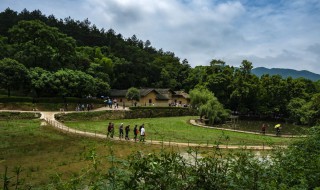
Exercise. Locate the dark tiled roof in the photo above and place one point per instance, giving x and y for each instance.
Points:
(145, 91)
(181, 93)
(162, 97)
(117, 93)
(162, 93)
(164, 90)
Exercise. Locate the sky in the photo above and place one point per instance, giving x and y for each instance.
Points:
(269, 33)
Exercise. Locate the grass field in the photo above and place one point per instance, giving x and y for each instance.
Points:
(177, 129)
(46, 155)
(43, 153)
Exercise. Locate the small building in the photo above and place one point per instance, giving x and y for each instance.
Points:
(152, 97)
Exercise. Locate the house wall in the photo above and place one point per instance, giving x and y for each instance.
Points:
(144, 101)
(180, 100)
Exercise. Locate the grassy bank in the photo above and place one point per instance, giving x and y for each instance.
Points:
(178, 129)
(46, 155)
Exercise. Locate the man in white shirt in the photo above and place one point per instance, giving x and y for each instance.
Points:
(142, 133)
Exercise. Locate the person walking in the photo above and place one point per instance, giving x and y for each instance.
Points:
(142, 134)
(127, 129)
(135, 132)
(109, 129)
(121, 131)
(112, 130)
(278, 129)
(263, 129)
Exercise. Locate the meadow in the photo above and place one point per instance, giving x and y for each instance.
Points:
(46, 156)
(177, 129)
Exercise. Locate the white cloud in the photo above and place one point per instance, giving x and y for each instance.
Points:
(281, 34)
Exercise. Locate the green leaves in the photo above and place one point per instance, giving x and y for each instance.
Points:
(37, 44)
(133, 94)
(208, 105)
(12, 74)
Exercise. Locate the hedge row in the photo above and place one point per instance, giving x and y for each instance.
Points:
(88, 115)
(18, 115)
(50, 100)
(140, 112)
(157, 108)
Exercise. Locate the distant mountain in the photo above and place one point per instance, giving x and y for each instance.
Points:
(285, 73)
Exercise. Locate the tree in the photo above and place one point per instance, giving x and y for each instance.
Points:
(246, 67)
(4, 47)
(133, 94)
(68, 82)
(37, 44)
(208, 105)
(40, 81)
(12, 74)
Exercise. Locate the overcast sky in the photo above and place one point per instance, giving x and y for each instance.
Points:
(269, 33)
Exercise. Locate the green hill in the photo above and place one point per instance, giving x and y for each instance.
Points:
(259, 71)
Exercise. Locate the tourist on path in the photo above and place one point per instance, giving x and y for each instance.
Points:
(112, 130)
(263, 129)
(109, 129)
(142, 134)
(278, 129)
(135, 132)
(127, 129)
(121, 131)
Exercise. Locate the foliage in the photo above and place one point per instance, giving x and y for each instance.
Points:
(208, 105)
(304, 112)
(297, 167)
(18, 115)
(12, 74)
(39, 45)
(133, 94)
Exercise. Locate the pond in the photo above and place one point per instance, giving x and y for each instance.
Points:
(255, 126)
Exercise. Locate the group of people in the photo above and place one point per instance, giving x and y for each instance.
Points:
(84, 107)
(141, 131)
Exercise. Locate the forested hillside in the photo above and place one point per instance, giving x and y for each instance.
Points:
(43, 56)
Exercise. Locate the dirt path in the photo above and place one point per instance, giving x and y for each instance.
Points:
(50, 119)
(193, 122)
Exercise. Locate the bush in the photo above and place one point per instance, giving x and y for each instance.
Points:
(297, 167)
(132, 114)
(50, 100)
(18, 115)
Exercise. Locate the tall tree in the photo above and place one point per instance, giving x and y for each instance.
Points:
(37, 44)
(208, 105)
(12, 74)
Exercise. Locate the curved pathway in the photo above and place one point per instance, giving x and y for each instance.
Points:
(50, 119)
(195, 123)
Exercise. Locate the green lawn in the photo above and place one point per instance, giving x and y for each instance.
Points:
(43, 153)
(177, 129)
